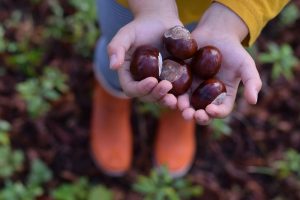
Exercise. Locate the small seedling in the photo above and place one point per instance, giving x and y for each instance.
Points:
(11, 160)
(161, 186)
(2, 39)
(72, 28)
(32, 188)
(290, 164)
(287, 166)
(283, 59)
(220, 127)
(150, 108)
(81, 190)
(289, 15)
(38, 93)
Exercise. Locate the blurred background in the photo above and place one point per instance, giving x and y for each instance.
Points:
(46, 79)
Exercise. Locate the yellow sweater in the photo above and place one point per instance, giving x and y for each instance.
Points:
(255, 13)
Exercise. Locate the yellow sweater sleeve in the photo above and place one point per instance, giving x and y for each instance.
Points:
(255, 13)
(189, 10)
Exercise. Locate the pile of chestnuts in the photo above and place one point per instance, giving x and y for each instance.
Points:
(185, 62)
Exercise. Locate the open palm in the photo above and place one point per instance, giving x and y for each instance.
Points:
(237, 65)
(139, 32)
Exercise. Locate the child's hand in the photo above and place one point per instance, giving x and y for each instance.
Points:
(142, 30)
(220, 27)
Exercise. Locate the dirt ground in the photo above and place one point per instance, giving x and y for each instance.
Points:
(225, 167)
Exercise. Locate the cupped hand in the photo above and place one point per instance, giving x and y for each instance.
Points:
(142, 30)
(237, 65)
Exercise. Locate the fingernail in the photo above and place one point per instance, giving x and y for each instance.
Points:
(256, 96)
(113, 61)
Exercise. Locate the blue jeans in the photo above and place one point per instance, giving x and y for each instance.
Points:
(112, 16)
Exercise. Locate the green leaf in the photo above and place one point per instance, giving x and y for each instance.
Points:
(4, 126)
(39, 173)
(150, 108)
(283, 59)
(160, 185)
(38, 93)
(11, 161)
(78, 190)
(100, 191)
(289, 15)
(144, 185)
(171, 194)
(266, 58)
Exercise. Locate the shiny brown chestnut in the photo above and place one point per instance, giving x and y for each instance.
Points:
(206, 62)
(210, 91)
(178, 73)
(146, 62)
(179, 43)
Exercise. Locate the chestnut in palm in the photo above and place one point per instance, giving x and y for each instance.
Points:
(210, 91)
(179, 43)
(178, 73)
(146, 62)
(206, 62)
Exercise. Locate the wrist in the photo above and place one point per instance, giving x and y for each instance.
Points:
(168, 20)
(221, 22)
(153, 8)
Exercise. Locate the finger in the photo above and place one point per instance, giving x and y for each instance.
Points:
(119, 45)
(162, 88)
(251, 80)
(222, 110)
(188, 113)
(135, 88)
(169, 100)
(183, 102)
(202, 117)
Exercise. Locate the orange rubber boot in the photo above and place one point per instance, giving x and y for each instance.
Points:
(175, 143)
(111, 138)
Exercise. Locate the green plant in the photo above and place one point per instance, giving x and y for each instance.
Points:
(161, 186)
(2, 39)
(55, 23)
(20, 54)
(289, 15)
(84, 24)
(220, 127)
(81, 190)
(24, 60)
(39, 174)
(285, 167)
(80, 28)
(11, 160)
(290, 164)
(38, 93)
(283, 59)
(150, 108)
(4, 129)
(6, 45)
(14, 20)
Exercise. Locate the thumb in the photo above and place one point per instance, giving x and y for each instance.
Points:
(251, 80)
(119, 45)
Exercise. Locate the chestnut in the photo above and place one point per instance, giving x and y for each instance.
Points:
(209, 91)
(206, 62)
(178, 73)
(145, 62)
(179, 43)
